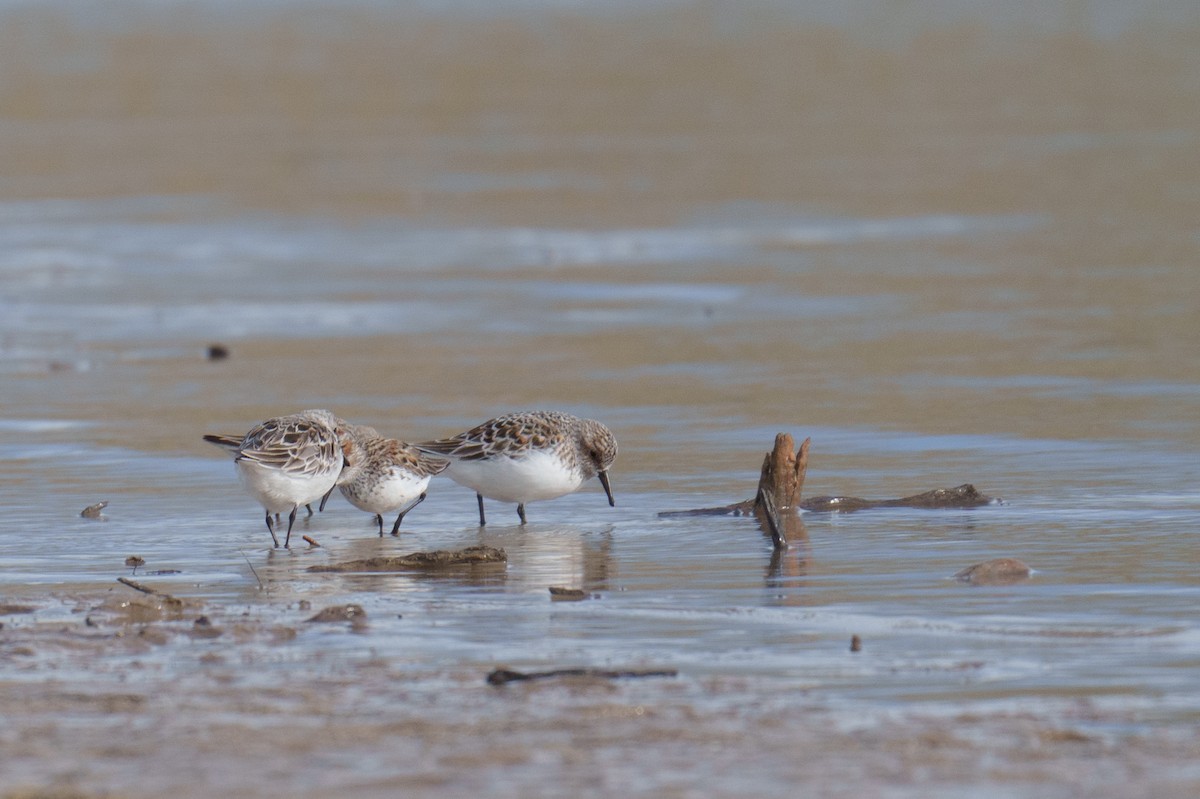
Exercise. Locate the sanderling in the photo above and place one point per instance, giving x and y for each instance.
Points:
(289, 461)
(387, 475)
(523, 457)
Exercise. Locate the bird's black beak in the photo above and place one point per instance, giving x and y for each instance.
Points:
(607, 490)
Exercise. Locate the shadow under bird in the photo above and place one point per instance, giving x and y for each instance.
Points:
(528, 456)
(289, 461)
(387, 475)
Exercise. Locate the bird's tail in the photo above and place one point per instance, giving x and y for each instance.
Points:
(230, 443)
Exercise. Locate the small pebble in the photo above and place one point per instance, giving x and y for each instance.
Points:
(351, 613)
(855, 643)
(998, 571)
(94, 511)
(217, 352)
(561, 594)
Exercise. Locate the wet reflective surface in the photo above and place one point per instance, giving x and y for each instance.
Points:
(950, 247)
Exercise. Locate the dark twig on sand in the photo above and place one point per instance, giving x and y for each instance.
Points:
(145, 589)
(505, 676)
(136, 586)
(253, 570)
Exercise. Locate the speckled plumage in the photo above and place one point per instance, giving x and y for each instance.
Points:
(528, 456)
(389, 475)
(288, 461)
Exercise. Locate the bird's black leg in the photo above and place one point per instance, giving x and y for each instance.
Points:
(291, 520)
(379, 520)
(271, 530)
(324, 499)
(310, 511)
(482, 520)
(400, 518)
(521, 511)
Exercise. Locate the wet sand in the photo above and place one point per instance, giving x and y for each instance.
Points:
(373, 727)
(950, 245)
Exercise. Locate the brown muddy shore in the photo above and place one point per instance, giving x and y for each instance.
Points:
(952, 241)
(98, 687)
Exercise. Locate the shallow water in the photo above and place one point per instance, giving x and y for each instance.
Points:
(949, 248)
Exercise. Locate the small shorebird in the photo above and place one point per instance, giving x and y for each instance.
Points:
(389, 475)
(524, 457)
(289, 461)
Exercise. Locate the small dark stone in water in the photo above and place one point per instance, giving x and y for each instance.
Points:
(855, 643)
(351, 613)
(216, 352)
(560, 594)
(203, 628)
(998, 571)
(305, 605)
(94, 511)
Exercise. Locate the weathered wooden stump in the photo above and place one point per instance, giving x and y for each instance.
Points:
(777, 500)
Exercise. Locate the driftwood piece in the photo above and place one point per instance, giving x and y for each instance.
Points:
(168, 600)
(419, 561)
(780, 483)
(560, 593)
(963, 496)
(505, 676)
(782, 480)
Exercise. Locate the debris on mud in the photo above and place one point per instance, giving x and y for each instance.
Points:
(781, 482)
(559, 593)
(94, 511)
(419, 561)
(171, 603)
(963, 496)
(351, 613)
(998, 571)
(505, 676)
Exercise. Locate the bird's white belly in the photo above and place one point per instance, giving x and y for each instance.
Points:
(278, 491)
(535, 476)
(398, 490)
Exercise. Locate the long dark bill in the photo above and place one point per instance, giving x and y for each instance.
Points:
(607, 490)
